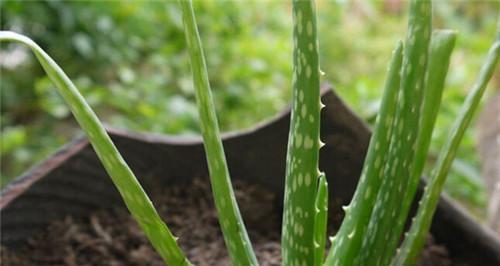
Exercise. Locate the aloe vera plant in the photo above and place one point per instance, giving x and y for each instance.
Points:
(375, 217)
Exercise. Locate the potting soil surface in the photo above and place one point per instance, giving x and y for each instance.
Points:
(112, 237)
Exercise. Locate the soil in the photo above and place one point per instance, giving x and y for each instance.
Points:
(112, 237)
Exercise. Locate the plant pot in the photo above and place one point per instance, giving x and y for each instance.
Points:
(73, 181)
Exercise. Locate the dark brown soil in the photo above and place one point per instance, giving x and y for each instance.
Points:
(112, 237)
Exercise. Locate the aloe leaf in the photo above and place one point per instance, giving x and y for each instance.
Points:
(413, 243)
(441, 47)
(233, 228)
(303, 142)
(347, 242)
(403, 139)
(127, 184)
(320, 220)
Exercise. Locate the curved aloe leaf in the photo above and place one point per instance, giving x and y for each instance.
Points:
(415, 240)
(233, 229)
(127, 184)
(347, 242)
(297, 240)
(441, 47)
(403, 140)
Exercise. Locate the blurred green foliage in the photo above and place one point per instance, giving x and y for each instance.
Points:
(128, 58)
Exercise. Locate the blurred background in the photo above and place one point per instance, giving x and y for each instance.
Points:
(128, 59)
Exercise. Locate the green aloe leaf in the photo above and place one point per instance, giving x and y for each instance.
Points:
(347, 242)
(233, 228)
(301, 184)
(404, 135)
(320, 220)
(127, 184)
(441, 47)
(415, 239)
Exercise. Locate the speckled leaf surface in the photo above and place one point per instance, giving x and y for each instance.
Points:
(441, 47)
(347, 242)
(415, 240)
(303, 144)
(403, 139)
(320, 220)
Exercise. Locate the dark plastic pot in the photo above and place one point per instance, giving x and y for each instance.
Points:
(73, 181)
